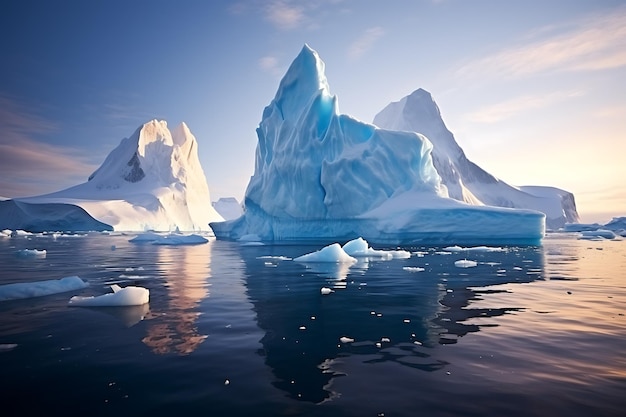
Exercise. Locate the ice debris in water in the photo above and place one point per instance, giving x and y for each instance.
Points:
(345, 339)
(474, 249)
(40, 288)
(359, 247)
(32, 252)
(127, 296)
(326, 290)
(331, 253)
(465, 263)
(413, 268)
(169, 239)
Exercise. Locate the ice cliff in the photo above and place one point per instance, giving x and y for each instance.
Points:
(465, 180)
(321, 175)
(152, 180)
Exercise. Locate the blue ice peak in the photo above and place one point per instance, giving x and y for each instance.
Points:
(304, 80)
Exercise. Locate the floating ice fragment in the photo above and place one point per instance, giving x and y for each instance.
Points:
(331, 253)
(345, 339)
(5, 347)
(475, 249)
(40, 288)
(326, 290)
(385, 340)
(604, 233)
(127, 296)
(175, 239)
(302, 328)
(413, 268)
(275, 258)
(227, 382)
(464, 263)
(32, 252)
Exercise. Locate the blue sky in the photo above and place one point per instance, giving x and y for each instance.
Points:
(534, 91)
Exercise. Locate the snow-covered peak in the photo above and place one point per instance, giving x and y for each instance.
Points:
(151, 180)
(465, 180)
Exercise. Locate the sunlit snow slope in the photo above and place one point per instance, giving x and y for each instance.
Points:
(321, 175)
(153, 180)
(465, 180)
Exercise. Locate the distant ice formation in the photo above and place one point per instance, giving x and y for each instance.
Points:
(152, 180)
(228, 207)
(324, 176)
(169, 239)
(465, 180)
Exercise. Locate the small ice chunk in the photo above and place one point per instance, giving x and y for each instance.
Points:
(127, 296)
(385, 340)
(345, 339)
(331, 253)
(465, 263)
(413, 268)
(32, 252)
(176, 239)
(326, 290)
(5, 347)
(40, 288)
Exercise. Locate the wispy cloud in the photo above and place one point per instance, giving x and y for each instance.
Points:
(288, 15)
(506, 109)
(284, 14)
(359, 47)
(270, 64)
(29, 166)
(594, 43)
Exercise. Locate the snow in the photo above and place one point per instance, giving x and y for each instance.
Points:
(465, 180)
(40, 288)
(228, 207)
(152, 180)
(127, 296)
(322, 176)
(333, 253)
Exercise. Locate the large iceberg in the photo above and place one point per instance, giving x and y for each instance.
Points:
(152, 180)
(465, 180)
(325, 176)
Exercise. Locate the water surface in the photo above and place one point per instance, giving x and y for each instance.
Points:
(235, 330)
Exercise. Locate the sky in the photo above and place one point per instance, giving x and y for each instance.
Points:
(534, 91)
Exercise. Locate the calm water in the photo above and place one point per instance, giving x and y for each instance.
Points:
(528, 332)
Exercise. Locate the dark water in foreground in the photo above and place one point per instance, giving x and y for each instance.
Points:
(528, 332)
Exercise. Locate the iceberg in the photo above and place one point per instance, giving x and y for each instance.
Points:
(127, 296)
(152, 180)
(322, 176)
(40, 288)
(465, 180)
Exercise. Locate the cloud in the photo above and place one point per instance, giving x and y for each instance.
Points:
(506, 109)
(595, 43)
(284, 14)
(29, 166)
(269, 64)
(365, 42)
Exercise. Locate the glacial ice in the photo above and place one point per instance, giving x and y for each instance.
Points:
(322, 176)
(40, 288)
(465, 263)
(127, 296)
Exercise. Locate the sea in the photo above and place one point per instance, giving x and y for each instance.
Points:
(240, 330)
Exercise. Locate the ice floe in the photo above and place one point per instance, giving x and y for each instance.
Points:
(331, 253)
(40, 288)
(36, 253)
(127, 296)
(465, 263)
